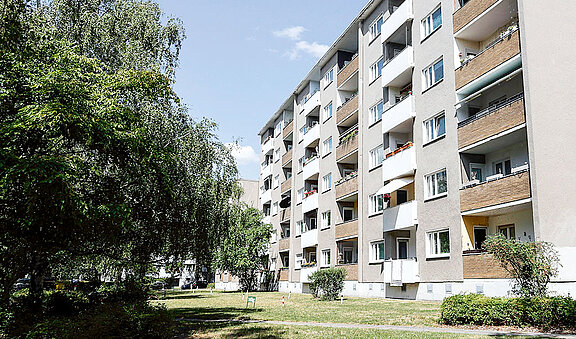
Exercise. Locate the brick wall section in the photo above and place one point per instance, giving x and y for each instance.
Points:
(347, 229)
(351, 270)
(488, 59)
(493, 123)
(284, 244)
(347, 187)
(482, 266)
(287, 157)
(286, 185)
(284, 275)
(288, 129)
(348, 146)
(285, 214)
(347, 71)
(508, 189)
(348, 108)
(470, 11)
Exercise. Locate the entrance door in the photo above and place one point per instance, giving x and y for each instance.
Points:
(402, 248)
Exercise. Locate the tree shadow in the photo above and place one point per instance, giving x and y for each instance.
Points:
(228, 329)
(187, 296)
(211, 313)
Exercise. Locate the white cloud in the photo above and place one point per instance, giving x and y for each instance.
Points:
(244, 155)
(313, 48)
(292, 33)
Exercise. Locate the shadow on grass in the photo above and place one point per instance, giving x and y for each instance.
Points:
(187, 296)
(211, 313)
(226, 329)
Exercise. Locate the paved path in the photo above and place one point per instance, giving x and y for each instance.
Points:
(391, 327)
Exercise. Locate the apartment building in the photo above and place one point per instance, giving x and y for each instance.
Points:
(427, 126)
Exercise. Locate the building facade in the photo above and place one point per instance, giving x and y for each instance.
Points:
(426, 127)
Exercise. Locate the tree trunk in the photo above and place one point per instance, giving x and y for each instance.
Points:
(37, 273)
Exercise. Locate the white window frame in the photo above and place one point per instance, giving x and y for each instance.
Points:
(299, 227)
(277, 181)
(433, 244)
(278, 128)
(300, 164)
(328, 112)
(299, 257)
(375, 251)
(327, 182)
(375, 160)
(375, 28)
(431, 130)
(427, 24)
(299, 196)
(376, 69)
(326, 219)
(375, 115)
(429, 74)
(346, 208)
(328, 77)
(277, 155)
(327, 146)
(325, 254)
(374, 204)
(506, 229)
(431, 185)
(274, 208)
(398, 240)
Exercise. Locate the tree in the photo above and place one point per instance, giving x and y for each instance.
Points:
(327, 283)
(531, 264)
(243, 250)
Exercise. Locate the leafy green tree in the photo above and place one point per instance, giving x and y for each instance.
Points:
(243, 251)
(531, 264)
(328, 283)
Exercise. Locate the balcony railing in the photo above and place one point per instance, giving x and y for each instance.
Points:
(469, 12)
(491, 121)
(400, 217)
(288, 129)
(346, 187)
(284, 274)
(348, 143)
(351, 271)
(478, 265)
(286, 185)
(348, 70)
(397, 71)
(400, 162)
(397, 114)
(505, 189)
(285, 214)
(347, 109)
(401, 271)
(347, 229)
(284, 244)
(396, 19)
(287, 157)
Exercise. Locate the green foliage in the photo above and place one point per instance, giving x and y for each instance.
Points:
(211, 286)
(327, 283)
(243, 250)
(477, 309)
(531, 264)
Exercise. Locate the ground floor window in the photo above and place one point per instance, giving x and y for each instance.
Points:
(325, 257)
(438, 243)
(377, 251)
(508, 231)
(402, 248)
(480, 233)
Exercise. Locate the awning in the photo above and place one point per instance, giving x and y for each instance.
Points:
(394, 185)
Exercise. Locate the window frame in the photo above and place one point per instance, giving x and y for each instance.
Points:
(326, 215)
(324, 151)
(374, 33)
(374, 204)
(375, 251)
(373, 154)
(430, 71)
(425, 30)
(348, 208)
(398, 241)
(374, 112)
(328, 77)
(326, 188)
(427, 188)
(438, 248)
(433, 122)
(323, 256)
(376, 69)
(328, 107)
(299, 196)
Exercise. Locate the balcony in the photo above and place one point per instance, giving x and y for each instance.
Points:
(311, 168)
(284, 244)
(347, 110)
(287, 158)
(288, 129)
(399, 116)
(267, 219)
(305, 273)
(397, 19)
(309, 238)
(401, 162)
(351, 271)
(498, 53)
(401, 271)
(479, 265)
(310, 203)
(347, 186)
(308, 105)
(504, 191)
(479, 18)
(311, 135)
(266, 171)
(348, 146)
(347, 229)
(285, 214)
(492, 121)
(286, 185)
(267, 145)
(266, 196)
(398, 71)
(284, 274)
(347, 72)
(400, 217)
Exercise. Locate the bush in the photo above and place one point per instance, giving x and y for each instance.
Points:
(327, 283)
(211, 285)
(65, 302)
(541, 312)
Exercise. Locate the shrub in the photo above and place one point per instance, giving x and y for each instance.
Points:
(211, 285)
(327, 283)
(65, 302)
(477, 309)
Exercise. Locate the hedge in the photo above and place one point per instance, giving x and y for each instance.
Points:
(541, 312)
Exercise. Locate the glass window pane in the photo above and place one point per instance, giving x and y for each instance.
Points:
(381, 251)
(441, 126)
(444, 242)
(438, 71)
(437, 18)
(442, 184)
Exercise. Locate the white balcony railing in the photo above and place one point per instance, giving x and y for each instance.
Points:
(305, 273)
(267, 145)
(401, 216)
(398, 71)
(312, 102)
(311, 168)
(399, 113)
(266, 171)
(309, 238)
(400, 163)
(312, 134)
(401, 271)
(265, 196)
(397, 19)
(310, 203)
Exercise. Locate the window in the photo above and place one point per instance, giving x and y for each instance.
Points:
(434, 128)
(327, 111)
(301, 133)
(327, 182)
(480, 233)
(275, 208)
(376, 203)
(278, 128)
(300, 164)
(402, 248)
(328, 77)
(299, 227)
(285, 261)
(327, 146)
(325, 258)
(277, 181)
(312, 225)
(432, 22)
(376, 156)
(438, 243)
(376, 112)
(326, 219)
(277, 155)
(348, 214)
(433, 74)
(376, 69)
(508, 231)
(298, 261)
(476, 172)
(503, 167)
(376, 28)
(436, 184)
(299, 196)
(348, 255)
(377, 251)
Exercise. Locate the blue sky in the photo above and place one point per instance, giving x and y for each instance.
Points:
(242, 59)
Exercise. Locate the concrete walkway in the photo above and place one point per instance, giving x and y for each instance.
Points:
(391, 327)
